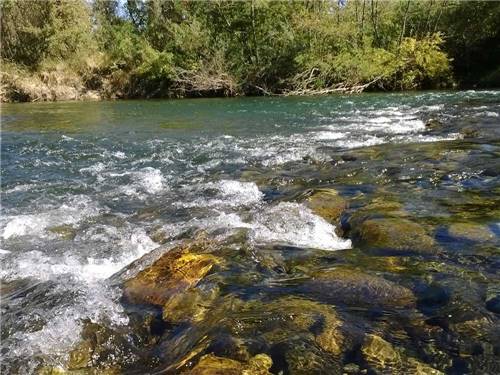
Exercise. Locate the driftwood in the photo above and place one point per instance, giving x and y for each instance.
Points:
(203, 82)
(306, 80)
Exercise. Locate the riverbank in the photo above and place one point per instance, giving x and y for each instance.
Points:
(91, 50)
(60, 84)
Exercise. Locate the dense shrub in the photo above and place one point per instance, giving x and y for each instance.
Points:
(151, 48)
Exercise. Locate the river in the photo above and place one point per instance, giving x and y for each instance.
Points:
(88, 188)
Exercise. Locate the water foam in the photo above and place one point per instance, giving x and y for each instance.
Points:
(228, 193)
(294, 224)
(91, 296)
(78, 208)
(147, 181)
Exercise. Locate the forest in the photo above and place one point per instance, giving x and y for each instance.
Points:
(78, 49)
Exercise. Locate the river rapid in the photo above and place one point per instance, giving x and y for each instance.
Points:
(90, 188)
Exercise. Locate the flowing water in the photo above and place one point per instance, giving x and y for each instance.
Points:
(87, 188)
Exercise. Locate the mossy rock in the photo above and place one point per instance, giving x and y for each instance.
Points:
(99, 351)
(397, 234)
(380, 353)
(433, 124)
(304, 357)
(190, 306)
(379, 207)
(328, 204)
(212, 365)
(275, 321)
(66, 232)
(177, 271)
(384, 358)
(48, 370)
(470, 232)
(469, 132)
(354, 287)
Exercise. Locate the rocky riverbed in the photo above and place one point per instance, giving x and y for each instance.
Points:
(378, 258)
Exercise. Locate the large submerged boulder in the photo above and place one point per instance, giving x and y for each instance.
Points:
(354, 287)
(397, 234)
(274, 321)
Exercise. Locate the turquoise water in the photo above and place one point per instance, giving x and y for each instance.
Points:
(87, 188)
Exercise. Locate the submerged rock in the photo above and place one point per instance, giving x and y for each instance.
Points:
(384, 358)
(380, 207)
(348, 157)
(65, 231)
(470, 231)
(354, 287)
(433, 124)
(190, 306)
(413, 366)
(397, 234)
(101, 351)
(493, 304)
(493, 297)
(212, 365)
(469, 132)
(380, 353)
(175, 272)
(159, 235)
(433, 296)
(303, 357)
(328, 204)
(276, 320)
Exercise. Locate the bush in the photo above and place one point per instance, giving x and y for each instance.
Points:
(422, 63)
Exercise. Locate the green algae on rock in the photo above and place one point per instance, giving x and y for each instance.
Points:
(178, 270)
(101, 351)
(400, 235)
(470, 231)
(327, 203)
(275, 320)
(355, 287)
(190, 306)
(66, 232)
(384, 358)
(212, 365)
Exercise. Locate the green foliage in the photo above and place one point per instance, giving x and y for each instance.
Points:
(125, 49)
(472, 30)
(423, 64)
(36, 30)
(173, 47)
(25, 31)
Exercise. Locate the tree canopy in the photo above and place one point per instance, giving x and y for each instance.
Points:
(153, 48)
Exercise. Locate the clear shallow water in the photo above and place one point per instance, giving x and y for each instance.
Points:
(86, 185)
